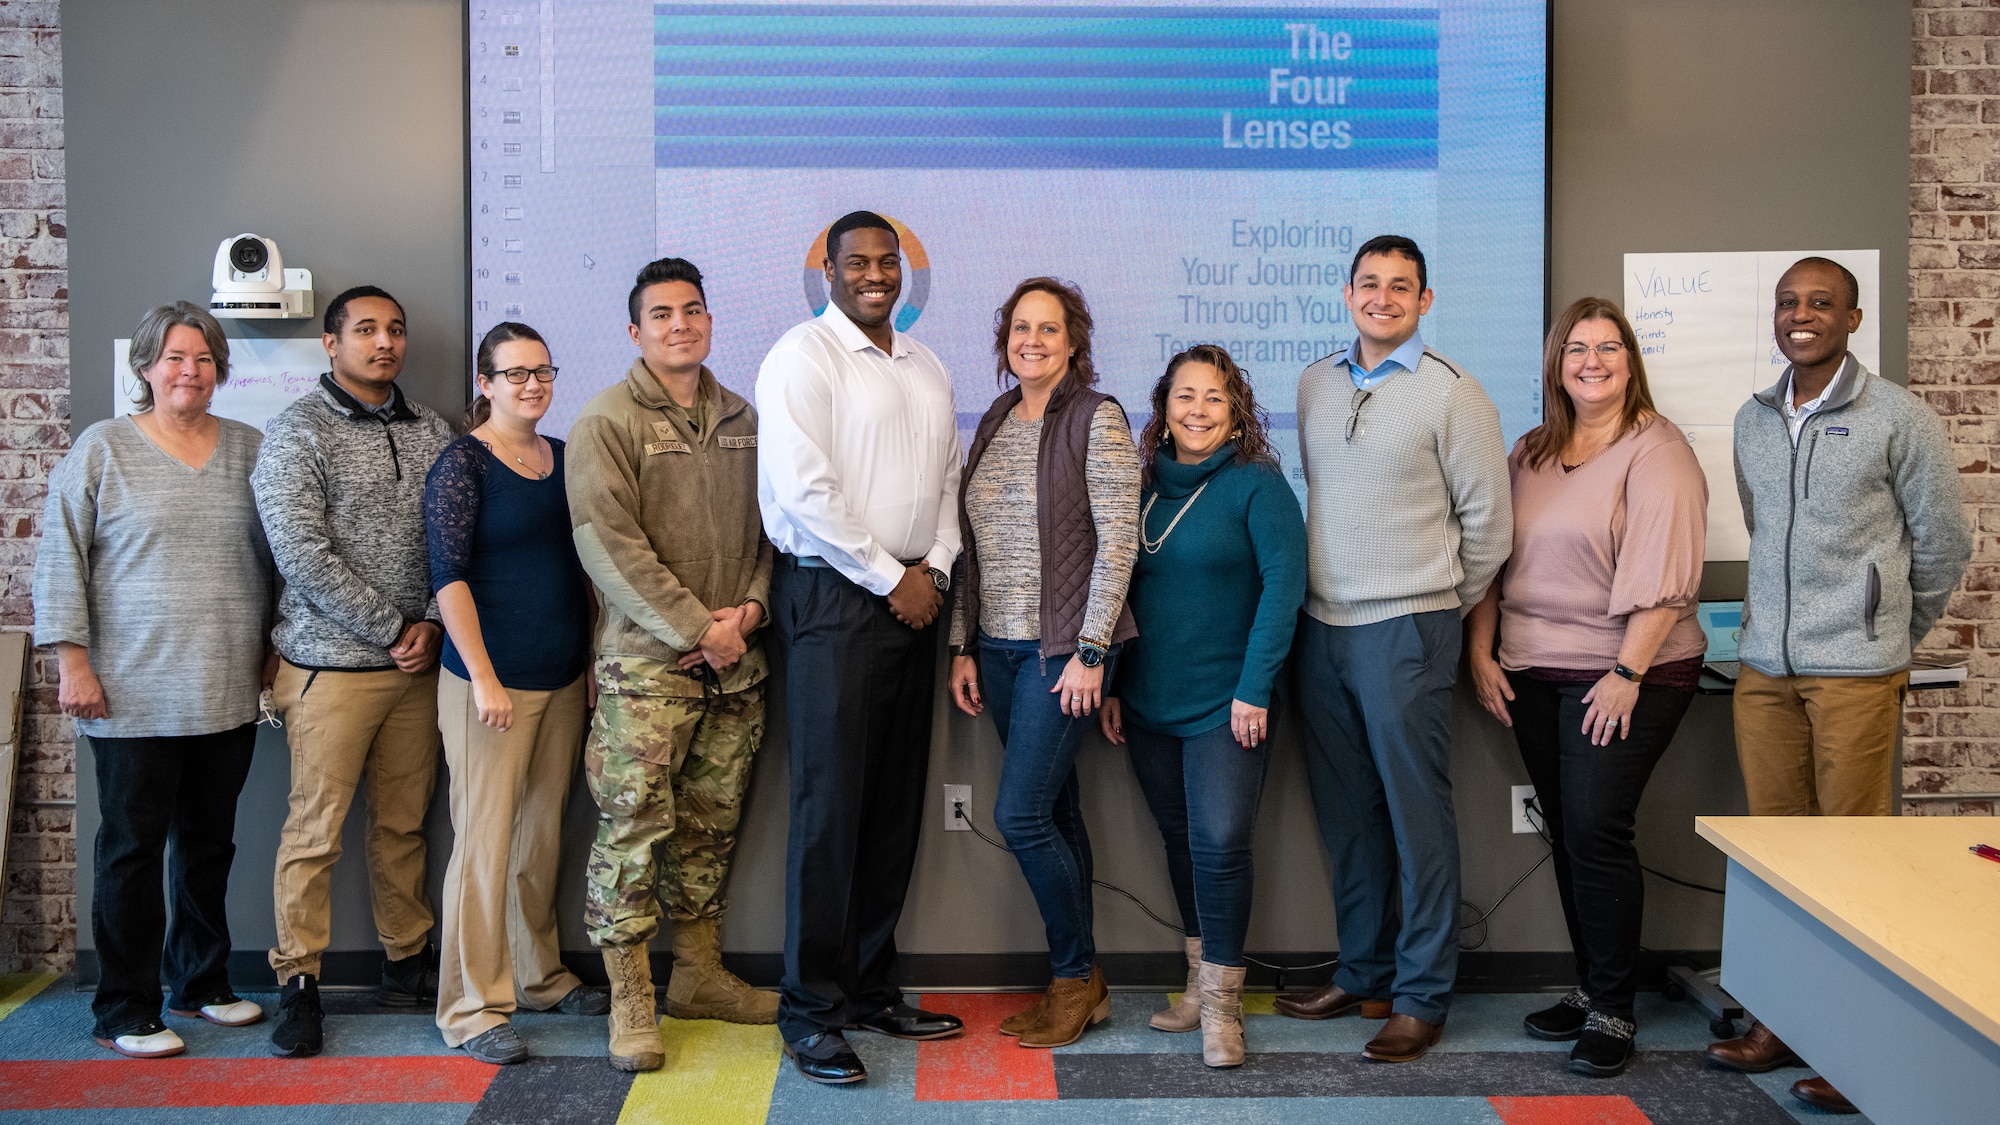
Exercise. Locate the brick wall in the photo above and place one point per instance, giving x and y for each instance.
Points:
(1952, 739)
(38, 925)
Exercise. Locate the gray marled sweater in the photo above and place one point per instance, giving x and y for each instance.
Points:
(341, 492)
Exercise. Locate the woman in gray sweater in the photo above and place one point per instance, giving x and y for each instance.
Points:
(153, 582)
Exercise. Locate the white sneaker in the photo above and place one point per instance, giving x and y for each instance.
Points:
(156, 1045)
(232, 1012)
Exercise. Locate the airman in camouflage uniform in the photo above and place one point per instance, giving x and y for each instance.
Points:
(664, 771)
(662, 480)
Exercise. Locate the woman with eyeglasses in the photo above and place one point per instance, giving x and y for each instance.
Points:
(1598, 648)
(511, 698)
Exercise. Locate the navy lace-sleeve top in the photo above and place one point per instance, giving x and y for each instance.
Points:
(507, 537)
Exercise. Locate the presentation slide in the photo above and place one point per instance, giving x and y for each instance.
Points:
(1202, 171)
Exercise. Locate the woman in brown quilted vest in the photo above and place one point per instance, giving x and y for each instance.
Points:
(1051, 497)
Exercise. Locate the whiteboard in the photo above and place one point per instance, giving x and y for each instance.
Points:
(1703, 321)
(265, 376)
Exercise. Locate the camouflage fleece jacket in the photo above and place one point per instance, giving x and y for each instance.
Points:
(666, 523)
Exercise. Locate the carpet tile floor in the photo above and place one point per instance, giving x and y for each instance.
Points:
(391, 1068)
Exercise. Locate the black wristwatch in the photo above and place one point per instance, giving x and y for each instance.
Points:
(940, 579)
(1627, 673)
(1090, 652)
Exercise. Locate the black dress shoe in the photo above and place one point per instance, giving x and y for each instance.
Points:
(825, 1056)
(901, 1021)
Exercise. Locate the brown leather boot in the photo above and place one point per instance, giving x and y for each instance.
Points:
(701, 989)
(634, 1019)
(1221, 1014)
(1072, 1006)
(1027, 1017)
(1403, 1039)
(1326, 1003)
(1185, 1015)
(1755, 1052)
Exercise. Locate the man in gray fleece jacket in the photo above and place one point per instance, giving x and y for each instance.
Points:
(1857, 538)
(1408, 520)
(340, 488)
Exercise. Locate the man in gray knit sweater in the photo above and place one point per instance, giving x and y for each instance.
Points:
(1408, 519)
(340, 488)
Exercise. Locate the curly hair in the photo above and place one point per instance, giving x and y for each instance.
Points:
(1253, 446)
(1076, 321)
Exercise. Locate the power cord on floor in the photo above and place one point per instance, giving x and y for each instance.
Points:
(964, 816)
(1540, 821)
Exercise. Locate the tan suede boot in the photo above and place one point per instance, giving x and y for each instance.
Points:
(1073, 1005)
(1029, 1016)
(701, 989)
(634, 1020)
(1221, 1014)
(1186, 1015)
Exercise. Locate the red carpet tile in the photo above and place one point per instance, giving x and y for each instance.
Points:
(1569, 1111)
(982, 1065)
(188, 1083)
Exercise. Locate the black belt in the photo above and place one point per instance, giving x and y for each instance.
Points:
(814, 562)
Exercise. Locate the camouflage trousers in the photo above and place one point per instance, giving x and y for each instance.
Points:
(668, 775)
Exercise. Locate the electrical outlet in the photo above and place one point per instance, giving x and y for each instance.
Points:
(1518, 814)
(957, 808)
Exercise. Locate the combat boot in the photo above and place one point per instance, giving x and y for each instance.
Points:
(634, 1019)
(701, 989)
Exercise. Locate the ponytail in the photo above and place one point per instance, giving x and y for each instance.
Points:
(481, 407)
(477, 413)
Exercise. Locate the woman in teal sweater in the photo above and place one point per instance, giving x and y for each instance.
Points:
(1219, 582)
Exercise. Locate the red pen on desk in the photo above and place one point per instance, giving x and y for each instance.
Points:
(1985, 851)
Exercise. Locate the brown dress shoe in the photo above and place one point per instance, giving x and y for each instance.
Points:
(1820, 1094)
(1754, 1053)
(1072, 1006)
(1402, 1039)
(1326, 1003)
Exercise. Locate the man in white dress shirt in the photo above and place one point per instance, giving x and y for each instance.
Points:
(857, 473)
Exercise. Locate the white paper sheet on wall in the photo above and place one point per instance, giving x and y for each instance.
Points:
(264, 377)
(1704, 327)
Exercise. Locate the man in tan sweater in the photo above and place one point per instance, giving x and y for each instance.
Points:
(662, 475)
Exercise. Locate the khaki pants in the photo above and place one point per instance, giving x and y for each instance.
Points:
(507, 795)
(1818, 745)
(344, 726)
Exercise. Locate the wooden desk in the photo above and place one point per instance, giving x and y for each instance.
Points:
(1871, 945)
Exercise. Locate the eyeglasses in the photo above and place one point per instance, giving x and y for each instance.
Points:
(1354, 412)
(519, 375)
(1610, 349)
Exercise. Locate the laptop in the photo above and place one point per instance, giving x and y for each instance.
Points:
(1722, 624)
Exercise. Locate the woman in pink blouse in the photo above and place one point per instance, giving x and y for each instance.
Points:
(1598, 646)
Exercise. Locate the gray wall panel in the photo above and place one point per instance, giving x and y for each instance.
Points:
(335, 126)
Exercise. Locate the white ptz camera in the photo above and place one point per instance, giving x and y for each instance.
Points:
(251, 282)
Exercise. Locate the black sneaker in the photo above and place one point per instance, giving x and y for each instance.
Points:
(1561, 1021)
(584, 1000)
(298, 1034)
(410, 982)
(500, 1046)
(1604, 1047)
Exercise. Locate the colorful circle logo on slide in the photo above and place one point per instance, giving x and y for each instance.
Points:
(916, 285)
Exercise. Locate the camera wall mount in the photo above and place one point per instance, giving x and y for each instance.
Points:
(252, 283)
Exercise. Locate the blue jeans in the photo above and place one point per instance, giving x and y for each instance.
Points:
(1377, 705)
(1204, 793)
(1040, 810)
